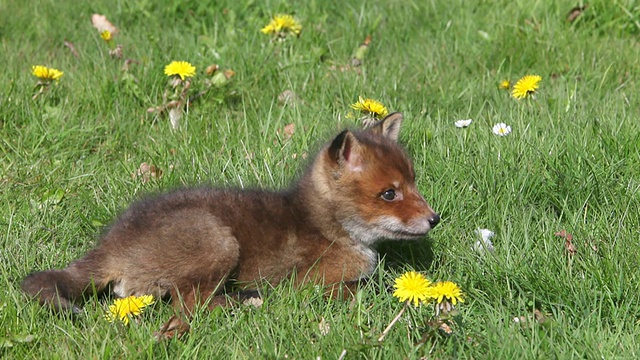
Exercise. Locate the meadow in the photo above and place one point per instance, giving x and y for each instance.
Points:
(560, 191)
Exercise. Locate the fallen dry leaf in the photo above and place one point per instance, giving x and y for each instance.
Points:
(445, 328)
(288, 97)
(289, 130)
(146, 171)
(117, 52)
(564, 234)
(211, 69)
(71, 47)
(229, 73)
(568, 241)
(101, 23)
(324, 327)
(437, 327)
(576, 12)
(570, 247)
(253, 301)
(540, 318)
(127, 64)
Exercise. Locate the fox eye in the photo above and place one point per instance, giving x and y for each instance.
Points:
(389, 195)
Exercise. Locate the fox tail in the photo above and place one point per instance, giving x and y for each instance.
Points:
(62, 289)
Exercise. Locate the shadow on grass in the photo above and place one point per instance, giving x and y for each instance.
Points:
(401, 254)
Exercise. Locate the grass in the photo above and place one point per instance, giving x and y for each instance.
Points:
(572, 162)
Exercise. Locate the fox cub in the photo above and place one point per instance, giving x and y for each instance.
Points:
(188, 244)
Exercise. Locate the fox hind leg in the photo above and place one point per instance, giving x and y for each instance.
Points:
(212, 258)
(185, 301)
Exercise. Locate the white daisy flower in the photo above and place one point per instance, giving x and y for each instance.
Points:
(501, 129)
(463, 123)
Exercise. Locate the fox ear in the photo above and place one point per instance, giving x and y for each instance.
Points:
(388, 127)
(346, 151)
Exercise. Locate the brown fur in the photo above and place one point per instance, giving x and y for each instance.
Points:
(189, 243)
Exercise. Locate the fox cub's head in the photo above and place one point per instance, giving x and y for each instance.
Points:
(370, 182)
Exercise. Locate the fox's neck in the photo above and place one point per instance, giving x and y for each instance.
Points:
(313, 196)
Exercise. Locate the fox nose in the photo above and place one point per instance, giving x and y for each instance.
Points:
(434, 220)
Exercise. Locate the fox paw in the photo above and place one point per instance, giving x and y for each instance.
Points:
(175, 327)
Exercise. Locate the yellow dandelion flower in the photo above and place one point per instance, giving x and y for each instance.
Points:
(180, 68)
(526, 86)
(106, 35)
(281, 24)
(270, 28)
(411, 287)
(123, 309)
(370, 107)
(46, 74)
(505, 84)
(445, 291)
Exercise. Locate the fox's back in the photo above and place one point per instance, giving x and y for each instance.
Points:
(243, 211)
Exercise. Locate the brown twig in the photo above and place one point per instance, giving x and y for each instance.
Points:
(395, 319)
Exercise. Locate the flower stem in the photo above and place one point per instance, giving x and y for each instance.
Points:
(395, 319)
